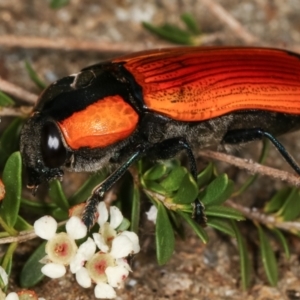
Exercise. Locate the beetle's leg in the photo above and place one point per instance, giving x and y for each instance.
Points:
(89, 214)
(169, 148)
(248, 135)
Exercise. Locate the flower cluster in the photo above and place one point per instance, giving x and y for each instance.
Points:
(107, 267)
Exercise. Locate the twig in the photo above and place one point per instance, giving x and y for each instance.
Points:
(252, 167)
(231, 22)
(17, 92)
(26, 236)
(63, 43)
(14, 111)
(269, 221)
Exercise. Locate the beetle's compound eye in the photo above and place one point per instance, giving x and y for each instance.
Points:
(53, 151)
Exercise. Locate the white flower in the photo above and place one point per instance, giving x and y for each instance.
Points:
(88, 248)
(134, 239)
(116, 275)
(116, 217)
(54, 270)
(61, 248)
(108, 233)
(123, 262)
(12, 296)
(107, 268)
(121, 247)
(100, 242)
(75, 228)
(125, 244)
(97, 265)
(45, 227)
(103, 213)
(152, 214)
(83, 278)
(85, 251)
(104, 291)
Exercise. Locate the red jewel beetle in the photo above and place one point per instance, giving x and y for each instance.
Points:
(159, 103)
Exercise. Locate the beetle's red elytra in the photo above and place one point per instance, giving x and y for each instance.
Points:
(198, 84)
(158, 103)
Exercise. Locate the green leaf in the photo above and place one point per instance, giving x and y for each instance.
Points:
(34, 76)
(12, 179)
(156, 172)
(277, 200)
(124, 225)
(221, 225)
(177, 223)
(291, 207)
(22, 224)
(206, 175)
(217, 191)
(31, 273)
(6, 261)
(245, 264)
(136, 209)
(268, 257)
(60, 214)
(55, 4)
(37, 207)
(5, 100)
(280, 236)
(187, 192)
(9, 141)
(174, 179)
(190, 23)
(171, 33)
(202, 234)
(86, 189)
(165, 240)
(57, 195)
(224, 212)
(155, 187)
(34, 204)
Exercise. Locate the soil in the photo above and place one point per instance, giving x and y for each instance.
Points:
(196, 271)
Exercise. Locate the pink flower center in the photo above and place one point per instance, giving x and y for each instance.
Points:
(61, 249)
(100, 266)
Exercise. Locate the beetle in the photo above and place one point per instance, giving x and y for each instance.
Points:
(159, 103)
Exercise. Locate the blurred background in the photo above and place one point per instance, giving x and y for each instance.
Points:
(62, 40)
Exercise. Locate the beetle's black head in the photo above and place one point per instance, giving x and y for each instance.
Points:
(42, 146)
(42, 150)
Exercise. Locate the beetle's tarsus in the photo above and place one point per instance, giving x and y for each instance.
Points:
(90, 214)
(199, 214)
